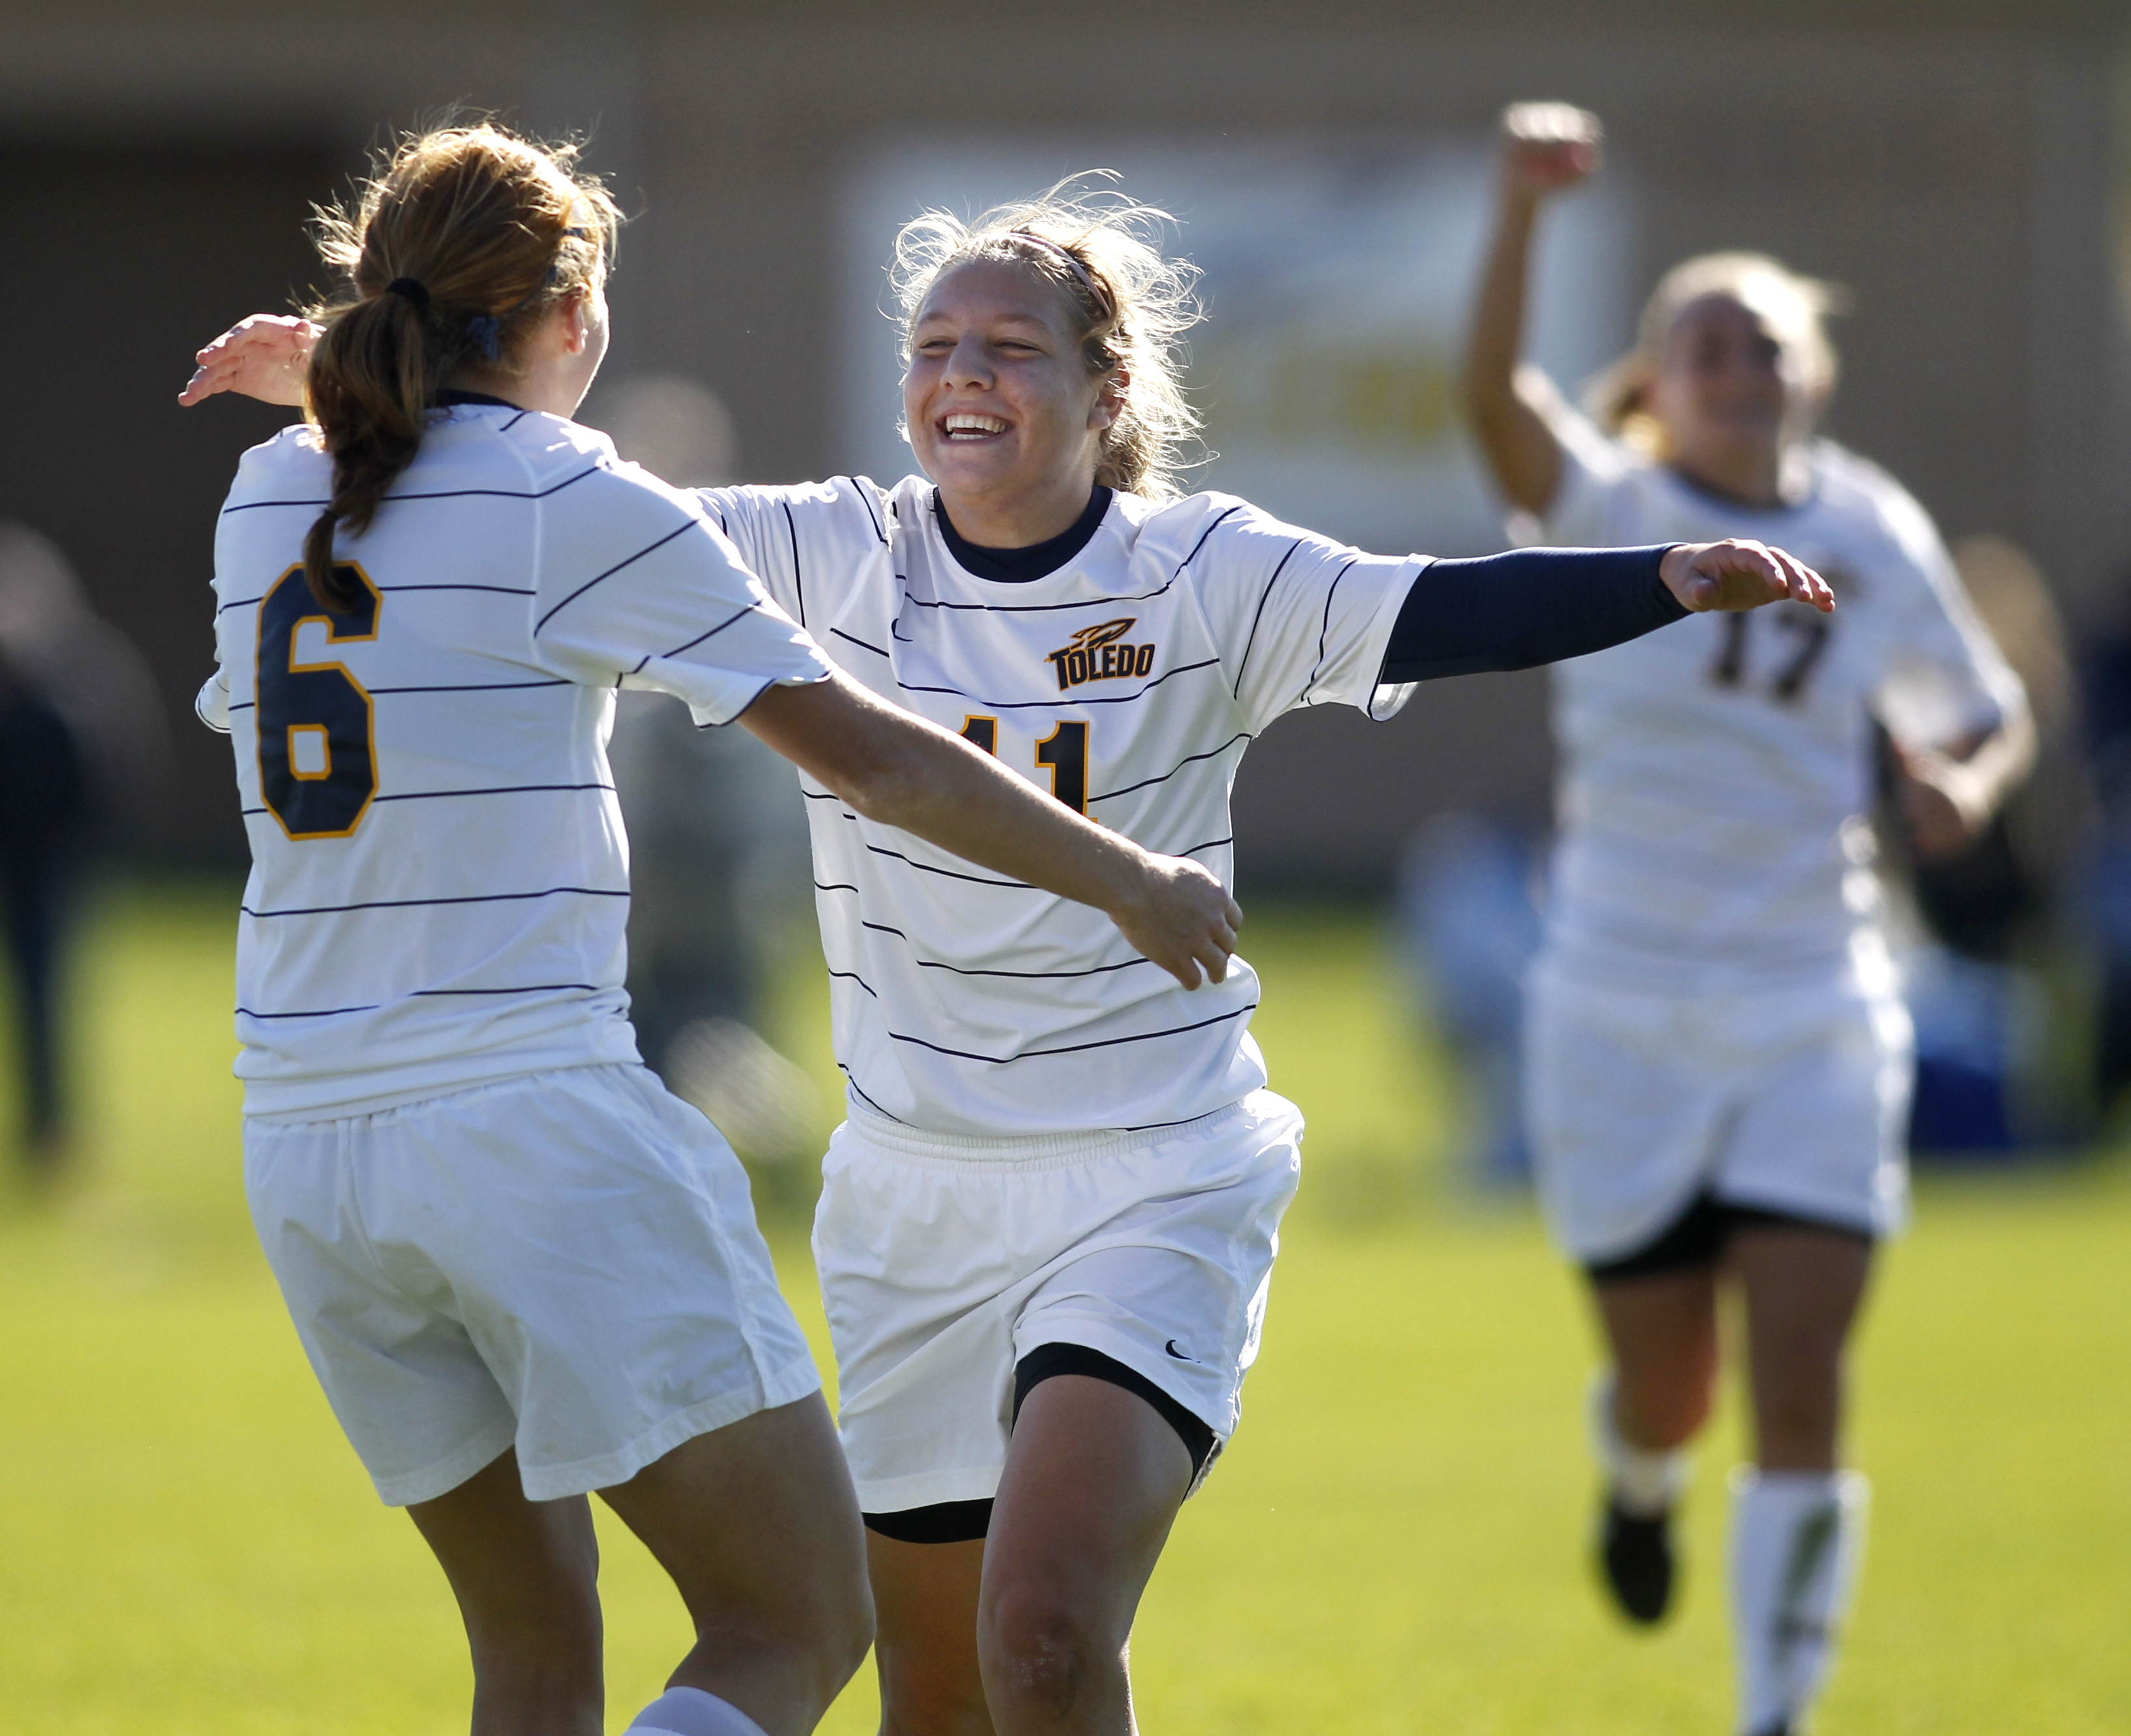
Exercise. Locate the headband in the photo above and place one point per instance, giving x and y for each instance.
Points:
(1073, 265)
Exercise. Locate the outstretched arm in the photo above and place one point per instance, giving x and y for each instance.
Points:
(903, 772)
(1546, 146)
(1541, 606)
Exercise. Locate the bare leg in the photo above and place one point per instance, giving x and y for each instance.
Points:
(1662, 1331)
(758, 1525)
(1092, 1485)
(926, 1647)
(1025, 1634)
(1803, 1287)
(526, 1576)
(1797, 1523)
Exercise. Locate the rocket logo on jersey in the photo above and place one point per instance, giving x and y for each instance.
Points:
(1096, 654)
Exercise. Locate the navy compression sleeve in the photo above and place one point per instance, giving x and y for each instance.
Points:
(1527, 607)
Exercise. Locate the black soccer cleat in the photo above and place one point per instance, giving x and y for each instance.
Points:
(1636, 1554)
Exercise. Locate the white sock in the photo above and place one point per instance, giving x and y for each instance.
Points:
(1797, 1536)
(1643, 1483)
(691, 1712)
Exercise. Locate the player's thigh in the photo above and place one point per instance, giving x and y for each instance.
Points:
(757, 1524)
(1093, 1483)
(1661, 1331)
(1802, 1286)
(525, 1573)
(925, 1610)
(1659, 1321)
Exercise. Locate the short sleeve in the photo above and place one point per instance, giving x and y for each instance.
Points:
(1592, 470)
(1300, 619)
(808, 542)
(1945, 677)
(636, 588)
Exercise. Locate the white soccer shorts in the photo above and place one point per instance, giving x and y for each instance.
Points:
(1790, 1098)
(945, 1260)
(566, 1262)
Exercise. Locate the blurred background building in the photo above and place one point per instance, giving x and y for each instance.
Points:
(1960, 165)
(1953, 161)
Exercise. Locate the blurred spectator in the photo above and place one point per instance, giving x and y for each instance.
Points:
(1468, 926)
(83, 748)
(2106, 888)
(1988, 959)
(717, 843)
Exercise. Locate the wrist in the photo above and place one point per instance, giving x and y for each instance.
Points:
(1130, 879)
(1676, 572)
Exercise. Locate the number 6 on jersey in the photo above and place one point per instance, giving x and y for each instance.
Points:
(318, 756)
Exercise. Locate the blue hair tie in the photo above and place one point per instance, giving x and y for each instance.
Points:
(486, 332)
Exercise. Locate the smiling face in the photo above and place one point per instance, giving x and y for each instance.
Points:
(1002, 411)
(1730, 392)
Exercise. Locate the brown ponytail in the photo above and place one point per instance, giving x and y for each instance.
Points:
(463, 242)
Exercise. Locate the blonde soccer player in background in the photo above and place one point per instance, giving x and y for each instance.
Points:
(1718, 1058)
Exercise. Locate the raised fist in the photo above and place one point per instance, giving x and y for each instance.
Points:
(1547, 146)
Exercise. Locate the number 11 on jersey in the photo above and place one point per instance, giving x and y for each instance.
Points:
(1063, 753)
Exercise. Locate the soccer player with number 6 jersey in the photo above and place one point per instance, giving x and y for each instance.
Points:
(1048, 1222)
(522, 1270)
(1719, 1062)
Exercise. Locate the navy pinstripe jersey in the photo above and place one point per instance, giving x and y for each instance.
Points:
(439, 883)
(1717, 774)
(1128, 683)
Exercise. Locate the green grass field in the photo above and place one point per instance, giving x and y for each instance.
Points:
(1394, 1544)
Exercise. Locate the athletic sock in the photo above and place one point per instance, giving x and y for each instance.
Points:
(1797, 1536)
(1641, 1483)
(691, 1712)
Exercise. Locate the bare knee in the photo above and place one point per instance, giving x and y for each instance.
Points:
(1796, 1421)
(1664, 1408)
(818, 1636)
(1043, 1652)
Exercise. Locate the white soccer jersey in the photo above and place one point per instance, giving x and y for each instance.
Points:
(1716, 773)
(1128, 682)
(440, 882)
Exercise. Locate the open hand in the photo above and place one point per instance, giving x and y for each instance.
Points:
(1738, 575)
(1183, 919)
(266, 356)
(1549, 147)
